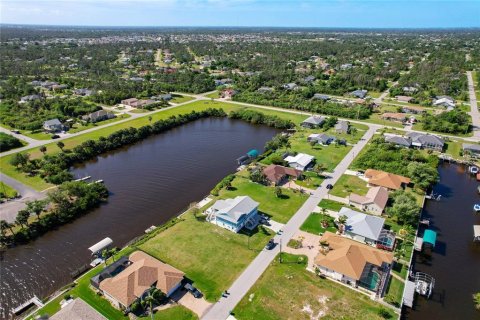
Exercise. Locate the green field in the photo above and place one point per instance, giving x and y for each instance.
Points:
(288, 291)
(6, 190)
(331, 205)
(347, 184)
(313, 224)
(181, 99)
(213, 95)
(211, 256)
(78, 127)
(281, 209)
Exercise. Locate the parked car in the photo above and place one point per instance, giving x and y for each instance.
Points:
(329, 187)
(16, 131)
(194, 291)
(270, 245)
(55, 136)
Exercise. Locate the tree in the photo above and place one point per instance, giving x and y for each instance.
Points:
(22, 217)
(36, 207)
(150, 119)
(61, 145)
(5, 225)
(422, 174)
(404, 208)
(476, 300)
(319, 168)
(278, 192)
(154, 296)
(341, 223)
(19, 159)
(43, 149)
(312, 143)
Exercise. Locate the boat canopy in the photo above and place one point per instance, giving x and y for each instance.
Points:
(252, 153)
(99, 246)
(409, 293)
(430, 236)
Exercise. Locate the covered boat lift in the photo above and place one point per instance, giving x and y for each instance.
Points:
(476, 233)
(430, 237)
(99, 246)
(409, 293)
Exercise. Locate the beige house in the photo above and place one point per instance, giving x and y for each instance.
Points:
(378, 178)
(140, 274)
(353, 263)
(374, 201)
(77, 309)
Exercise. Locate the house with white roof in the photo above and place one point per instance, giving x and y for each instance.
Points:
(234, 214)
(313, 122)
(362, 227)
(444, 101)
(300, 162)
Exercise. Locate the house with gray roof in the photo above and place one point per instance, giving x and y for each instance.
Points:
(321, 138)
(309, 79)
(361, 94)
(234, 214)
(319, 96)
(290, 86)
(98, 116)
(362, 227)
(31, 97)
(83, 92)
(426, 141)
(313, 122)
(53, 125)
(77, 309)
(472, 150)
(399, 141)
(342, 126)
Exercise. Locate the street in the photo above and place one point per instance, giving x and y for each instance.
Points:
(252, 273)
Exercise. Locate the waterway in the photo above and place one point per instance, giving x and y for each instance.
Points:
(150, 182)
(455, 261)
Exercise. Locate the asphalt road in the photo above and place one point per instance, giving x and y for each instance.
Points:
(474, 113)
(221, 310)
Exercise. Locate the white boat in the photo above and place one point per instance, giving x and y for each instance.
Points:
(424, 284)
(476, 207)
(473, 170)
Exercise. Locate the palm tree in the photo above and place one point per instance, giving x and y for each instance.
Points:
(149, 118)
(341, 223)
(112, 253)
(36, 207)
(22, 217)
(105, 255)
(153, 296)
(5, 225)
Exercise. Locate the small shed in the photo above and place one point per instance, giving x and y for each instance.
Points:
(430, 237)
(99, 246)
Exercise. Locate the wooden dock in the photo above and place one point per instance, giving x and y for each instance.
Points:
(33, 301)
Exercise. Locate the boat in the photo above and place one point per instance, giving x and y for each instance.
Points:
(473, 170)
(476, 207)
(424, 284)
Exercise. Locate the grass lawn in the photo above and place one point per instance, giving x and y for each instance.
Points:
(376, 119)
(350, 138)
(348, 184)
(331, 205)
(139, 111)
(211, 256)
(288, 291)
(395, 291)
(281, 209)
(311, 181)
(38, 183)
(453, 148)
(313, 224)
(181, 99)
(77, 127)
(6, 190)
(374, 94)
(400, 269)
(213, 95)
(177, 312)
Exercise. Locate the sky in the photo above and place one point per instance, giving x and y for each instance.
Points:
(274, 13)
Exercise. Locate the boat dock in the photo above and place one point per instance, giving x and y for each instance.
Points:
(33, 301)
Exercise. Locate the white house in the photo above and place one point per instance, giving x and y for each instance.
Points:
(234, 214)
(300, 162)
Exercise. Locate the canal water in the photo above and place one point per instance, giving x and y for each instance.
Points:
(455, 261)
(150, 182)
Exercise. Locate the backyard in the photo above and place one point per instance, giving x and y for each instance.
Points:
(288, 291)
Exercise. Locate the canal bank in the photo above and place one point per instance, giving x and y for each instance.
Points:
(455, 261)
(150, 182)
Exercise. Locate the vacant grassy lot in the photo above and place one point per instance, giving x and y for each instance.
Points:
(289, 291)
(331, 205)
(348, 184)
(281, 209)
(78, 127)
(181, 99)
(313, 224)
(213, 95)
(7, 191)
(211, 256)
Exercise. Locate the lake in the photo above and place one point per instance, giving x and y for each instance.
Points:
(150, 182)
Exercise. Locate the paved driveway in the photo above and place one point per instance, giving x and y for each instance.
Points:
(310, 247)
(186, 299)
